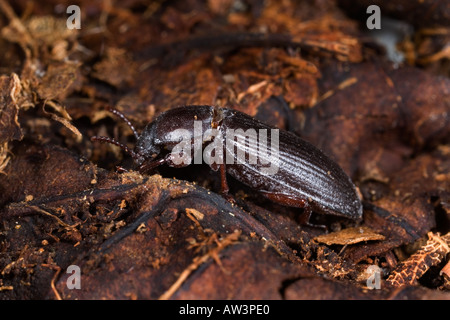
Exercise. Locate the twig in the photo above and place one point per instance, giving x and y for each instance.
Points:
(197, 262)
(65, 225)
(415, 266)
(55, 276)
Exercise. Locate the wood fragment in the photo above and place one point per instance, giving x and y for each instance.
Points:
(349, 236)
(446, 270)
(4, 158)
(445, 273)
(6, 288)
(341, 86)
(197, 214)
(11, 101)
(415, 266)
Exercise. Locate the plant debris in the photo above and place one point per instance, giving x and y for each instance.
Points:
(311, 68)
(349, 236)
(431, 254)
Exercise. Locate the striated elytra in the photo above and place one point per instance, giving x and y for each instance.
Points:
(288, 170)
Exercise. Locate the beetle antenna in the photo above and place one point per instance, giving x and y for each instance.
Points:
(122, 116)
(133, 154)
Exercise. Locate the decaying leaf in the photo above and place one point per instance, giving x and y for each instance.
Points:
(48, 82)
(58, 80)
(301, 66)
(195, 213)
(350, 236)
(415, 266)
(116, 68)
(37, 33)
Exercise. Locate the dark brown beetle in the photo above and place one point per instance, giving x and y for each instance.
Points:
(303, 176)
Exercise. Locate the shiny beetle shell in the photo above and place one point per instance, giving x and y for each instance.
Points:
(306, 177)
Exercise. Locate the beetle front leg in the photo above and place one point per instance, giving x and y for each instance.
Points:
(170, 159)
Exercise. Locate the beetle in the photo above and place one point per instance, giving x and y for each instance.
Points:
(304, 177)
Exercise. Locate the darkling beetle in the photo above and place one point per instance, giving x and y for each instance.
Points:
(306, 177)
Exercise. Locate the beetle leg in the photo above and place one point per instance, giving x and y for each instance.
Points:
(224, 189)
(297, 203)
(223, 180)
(306, 215)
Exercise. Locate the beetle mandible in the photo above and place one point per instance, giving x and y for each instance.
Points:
(305, 176)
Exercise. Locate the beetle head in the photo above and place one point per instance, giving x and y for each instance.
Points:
(171, 128)
(160, 136)
(147, 145)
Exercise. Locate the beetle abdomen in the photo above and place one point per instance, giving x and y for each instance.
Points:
(298, 170)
